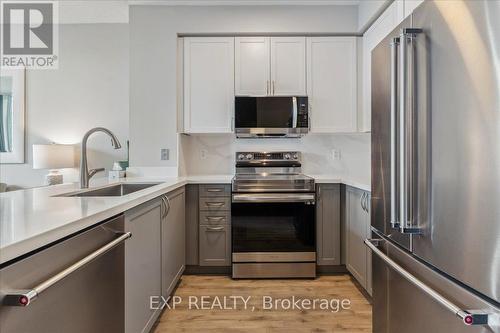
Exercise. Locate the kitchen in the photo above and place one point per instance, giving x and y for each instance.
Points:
(262, 143)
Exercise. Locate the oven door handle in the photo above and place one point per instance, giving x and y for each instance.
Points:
(273, 197)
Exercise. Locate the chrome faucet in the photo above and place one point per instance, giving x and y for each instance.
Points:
(85, 173)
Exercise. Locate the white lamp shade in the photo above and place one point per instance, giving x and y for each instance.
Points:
(53, 156)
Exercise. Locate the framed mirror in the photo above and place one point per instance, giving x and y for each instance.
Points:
(12, 104)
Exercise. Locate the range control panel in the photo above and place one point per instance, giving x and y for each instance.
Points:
(268, 156)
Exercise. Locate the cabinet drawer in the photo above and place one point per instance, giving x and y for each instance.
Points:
(215, 218)
(215, 204)
(215, 190)
(215, 245)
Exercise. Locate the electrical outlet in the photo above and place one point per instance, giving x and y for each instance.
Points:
(336, 155)
(203, 154)
(164, 153)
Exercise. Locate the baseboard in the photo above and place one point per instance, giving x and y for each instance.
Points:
(207, 270)
(331, 270)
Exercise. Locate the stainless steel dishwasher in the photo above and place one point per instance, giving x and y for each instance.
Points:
(75, 285)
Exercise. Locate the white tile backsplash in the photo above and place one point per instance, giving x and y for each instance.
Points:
(317, 157)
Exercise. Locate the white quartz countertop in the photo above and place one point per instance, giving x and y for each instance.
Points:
(33, 218)
(322, 179)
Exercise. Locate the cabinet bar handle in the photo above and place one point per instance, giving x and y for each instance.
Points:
(362, 201)
(214, 190)
(214, 204)
(167, 206)
(215, 218)
(25, 297)
(468, 317)
(210, 229)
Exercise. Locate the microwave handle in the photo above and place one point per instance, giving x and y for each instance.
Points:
(294, 115)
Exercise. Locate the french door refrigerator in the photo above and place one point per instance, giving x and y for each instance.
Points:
(436, 171)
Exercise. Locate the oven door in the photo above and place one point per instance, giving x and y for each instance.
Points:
(273, 227)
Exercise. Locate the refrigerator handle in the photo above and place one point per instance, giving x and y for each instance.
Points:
(406, 134)
(394, 132)
(468, 317)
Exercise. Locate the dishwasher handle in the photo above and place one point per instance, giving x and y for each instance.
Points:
(25, 296)
(468, 317)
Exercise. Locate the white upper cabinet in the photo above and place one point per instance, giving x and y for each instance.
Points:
(331, 84)
(252, 66)
(410, 5)
(270, 66)
(208, 84)
(288, 66)
(387, 22)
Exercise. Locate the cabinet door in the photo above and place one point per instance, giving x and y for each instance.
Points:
(410, 6)
(356, 233)
(208, 84)
(331, 84)
(328, 224)
(173, 241)
(192, 225)
(215, 245)
(392, 16)
(252, 71)
(142, 265)
(368, 251)
(288, 66)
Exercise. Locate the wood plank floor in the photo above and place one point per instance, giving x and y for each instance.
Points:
(186, 318)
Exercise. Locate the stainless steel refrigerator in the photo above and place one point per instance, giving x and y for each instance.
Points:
(436, 171)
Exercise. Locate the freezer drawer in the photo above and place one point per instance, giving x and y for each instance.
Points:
(78, 285)
(402, 306)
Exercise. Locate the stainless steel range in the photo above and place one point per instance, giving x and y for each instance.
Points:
(273, 217)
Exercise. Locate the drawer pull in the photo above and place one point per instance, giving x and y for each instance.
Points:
(216, 190)
(25, 297)
(214, 204)
(215, 218)
(211, 229)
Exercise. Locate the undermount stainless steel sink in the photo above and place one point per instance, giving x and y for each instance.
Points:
(117, 190)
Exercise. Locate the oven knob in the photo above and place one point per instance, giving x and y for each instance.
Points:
(287, 156)
(249, 156)
(241, 156)
(295, 156)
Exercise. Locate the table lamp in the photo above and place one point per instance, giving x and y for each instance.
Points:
(53, 157)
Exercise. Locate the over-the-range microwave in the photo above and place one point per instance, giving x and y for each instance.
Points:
(274, 116)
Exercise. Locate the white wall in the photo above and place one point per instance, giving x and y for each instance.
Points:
(316, 153)
(153, 61)
(367, 11)
(89, 89)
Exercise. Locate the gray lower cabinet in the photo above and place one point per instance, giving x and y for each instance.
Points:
(368, 251)
(214, 233)
(215, 245)
(154, 256)
(358, 260)
(142, 265)
(173, 241)
(328, 224)
(192, 225)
